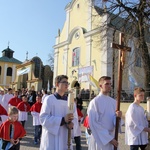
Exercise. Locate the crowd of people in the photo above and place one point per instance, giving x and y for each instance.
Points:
(52, 121)
(23, 101)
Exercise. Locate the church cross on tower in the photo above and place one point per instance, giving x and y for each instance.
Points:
(8, 43)
(27, 55)
(121, 61)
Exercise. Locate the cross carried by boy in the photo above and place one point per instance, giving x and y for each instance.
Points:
(121, 61)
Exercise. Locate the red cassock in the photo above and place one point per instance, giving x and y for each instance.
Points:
(86, 122)
(36, 107)
(79, 112)
(2, 110)
(19, 131)
(23, 106)
(14, 101)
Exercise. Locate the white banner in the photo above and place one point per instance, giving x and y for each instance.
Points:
(24, 71)
(83, 73)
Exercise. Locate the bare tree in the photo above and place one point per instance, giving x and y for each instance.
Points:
(133, 17)
(51, 60)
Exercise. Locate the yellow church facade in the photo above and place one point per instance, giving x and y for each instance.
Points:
(83, 47)
(75, 50)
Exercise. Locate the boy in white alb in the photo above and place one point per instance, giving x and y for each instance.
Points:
(102, 113)
(136, 125)
(6, 98)
(55, 119)
(44, 92)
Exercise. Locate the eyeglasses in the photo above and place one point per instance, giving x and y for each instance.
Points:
(65, 82)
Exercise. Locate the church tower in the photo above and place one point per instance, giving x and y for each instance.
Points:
(8, 66)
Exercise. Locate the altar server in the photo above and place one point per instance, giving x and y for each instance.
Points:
(14, 101)
(136, 124)
(11, 131)
(102, 114)
(55, 118)
(23, 108)
(6, 98)
(35, 112)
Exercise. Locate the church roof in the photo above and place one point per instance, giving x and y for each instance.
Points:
(8, 49)
(7, 56)
(11, 60)
(27, 61)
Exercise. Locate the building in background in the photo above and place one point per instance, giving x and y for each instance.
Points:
(8, 66)
(31, 74)
(83, 48)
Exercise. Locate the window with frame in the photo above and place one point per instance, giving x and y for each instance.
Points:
(9, 71)
(75, 56)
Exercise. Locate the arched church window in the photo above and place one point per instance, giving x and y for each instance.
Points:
(75, 56)
(9, 71)
(0, 70)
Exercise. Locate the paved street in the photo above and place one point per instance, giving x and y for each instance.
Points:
(27, 142)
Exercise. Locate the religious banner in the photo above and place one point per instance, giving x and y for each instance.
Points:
(23, 71)
(1, 88)
(93, 82)
(83, 73)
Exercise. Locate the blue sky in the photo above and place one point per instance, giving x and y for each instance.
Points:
(31, 25)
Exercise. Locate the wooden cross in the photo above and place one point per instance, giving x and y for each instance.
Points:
(121, 61)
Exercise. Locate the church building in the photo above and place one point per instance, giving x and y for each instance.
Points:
(83, 49)
(31, 74)
(8, 66)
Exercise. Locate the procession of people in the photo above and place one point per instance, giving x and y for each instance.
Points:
(53, 122)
